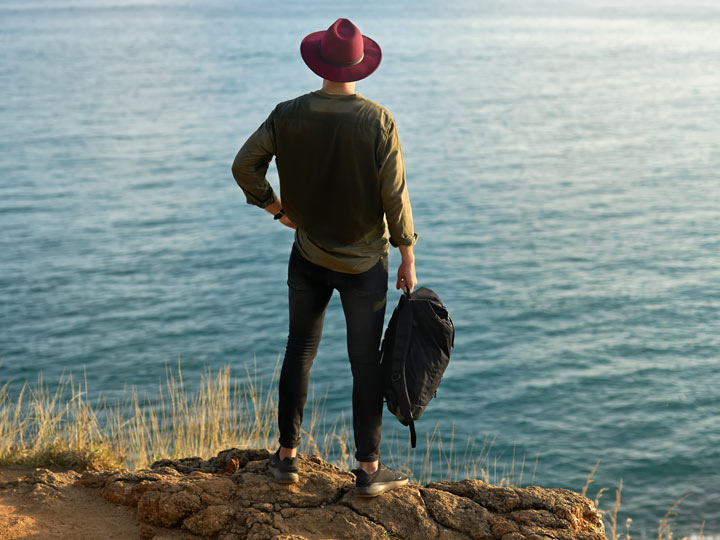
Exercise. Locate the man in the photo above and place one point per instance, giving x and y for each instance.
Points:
(342, 182)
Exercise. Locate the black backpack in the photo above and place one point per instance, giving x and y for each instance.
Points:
(415, 353)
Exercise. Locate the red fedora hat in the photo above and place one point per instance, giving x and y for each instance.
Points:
(341, 53)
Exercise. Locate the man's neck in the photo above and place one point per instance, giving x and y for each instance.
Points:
(342, 88)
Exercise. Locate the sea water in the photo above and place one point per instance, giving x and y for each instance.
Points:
(562, 161)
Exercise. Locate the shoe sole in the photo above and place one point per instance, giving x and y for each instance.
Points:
(373, 490)
(284, 477)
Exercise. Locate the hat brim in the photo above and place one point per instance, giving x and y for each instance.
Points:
(310, 52)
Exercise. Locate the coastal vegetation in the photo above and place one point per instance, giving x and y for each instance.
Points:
(61, 427)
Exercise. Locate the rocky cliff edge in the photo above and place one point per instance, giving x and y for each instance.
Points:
(232, 496)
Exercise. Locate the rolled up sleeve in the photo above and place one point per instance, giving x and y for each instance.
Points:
(251, 165)
(393, 190)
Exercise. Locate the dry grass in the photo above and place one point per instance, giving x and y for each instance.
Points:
(61, 428)
(610, 515)
(443, 459)
(57, 428)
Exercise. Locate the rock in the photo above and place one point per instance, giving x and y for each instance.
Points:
(459, 513)
(146, 533)
(320, 484)
(531, 511)
(210, 521)
(42, 484)
(227, 461)
(95, 479)
(401, 511)
(233, 497)
(167, 508)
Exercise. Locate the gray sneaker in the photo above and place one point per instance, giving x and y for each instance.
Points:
(285, 470)
(382, 480)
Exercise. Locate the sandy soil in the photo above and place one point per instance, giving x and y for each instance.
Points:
(57, 510)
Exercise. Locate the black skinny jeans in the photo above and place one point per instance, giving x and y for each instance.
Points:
(363, 299)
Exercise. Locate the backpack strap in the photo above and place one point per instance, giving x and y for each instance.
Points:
(402, 346)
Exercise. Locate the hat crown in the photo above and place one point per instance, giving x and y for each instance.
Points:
(340, 53)
(342, 44)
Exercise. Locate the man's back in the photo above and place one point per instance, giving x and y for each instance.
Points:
(328, 150)
(341, 176)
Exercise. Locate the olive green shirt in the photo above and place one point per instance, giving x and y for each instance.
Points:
(342, 178)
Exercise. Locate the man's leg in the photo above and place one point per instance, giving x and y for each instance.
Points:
(364, 298)
(309, 295)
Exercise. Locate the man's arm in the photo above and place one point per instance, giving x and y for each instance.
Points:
(250, 167)
(396, 204)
